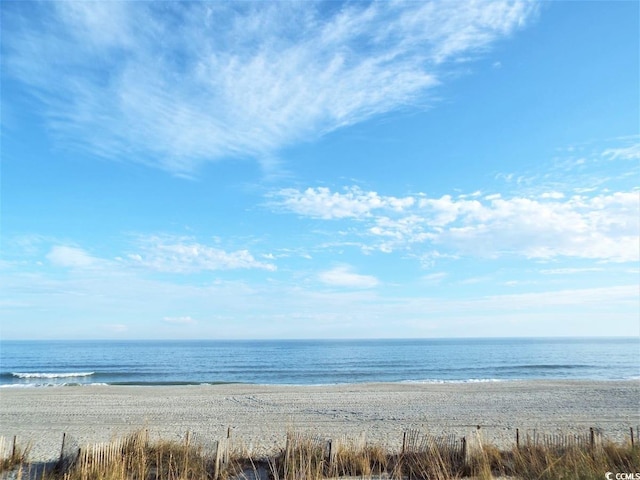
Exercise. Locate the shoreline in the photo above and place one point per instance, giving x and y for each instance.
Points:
(188, 384)
(259, 416)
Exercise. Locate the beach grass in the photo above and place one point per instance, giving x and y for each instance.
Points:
(548, 463)
(135, 457)
(17, 454)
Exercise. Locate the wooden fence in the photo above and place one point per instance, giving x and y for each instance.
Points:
(451, 448)
(560, 441)
(99, 456)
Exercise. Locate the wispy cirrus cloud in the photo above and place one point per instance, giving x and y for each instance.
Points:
(595, 165)
(200, 81)
(631, 152)
(601, 226)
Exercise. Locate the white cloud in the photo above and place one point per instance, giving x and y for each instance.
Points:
(553, 195)
(601, 226)
(182, 255)
(175, 84)
(71, 257)
(343, 276)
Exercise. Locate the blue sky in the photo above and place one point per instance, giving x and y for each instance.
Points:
(319, 170)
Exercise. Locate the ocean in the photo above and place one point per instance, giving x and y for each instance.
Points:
(315, 362)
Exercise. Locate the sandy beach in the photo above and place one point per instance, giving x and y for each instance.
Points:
(259, 416)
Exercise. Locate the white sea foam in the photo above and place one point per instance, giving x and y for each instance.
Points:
(469, 380)
(52, 375)
(48, 384)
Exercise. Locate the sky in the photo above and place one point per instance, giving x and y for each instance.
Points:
(249, 170)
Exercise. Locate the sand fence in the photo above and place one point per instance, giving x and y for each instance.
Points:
(304, 451)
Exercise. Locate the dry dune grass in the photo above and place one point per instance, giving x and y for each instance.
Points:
(135, 457)
(12, 454)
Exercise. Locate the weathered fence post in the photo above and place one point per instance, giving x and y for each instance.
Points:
(517, 439)
(404, 441)
(64, 435)
(216, 465)
(187, 440)
(329, 455)
(14, 447)
(630, 432)
(465, 459)
(592, 438)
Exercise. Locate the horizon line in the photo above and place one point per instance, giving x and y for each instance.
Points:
(325, 339)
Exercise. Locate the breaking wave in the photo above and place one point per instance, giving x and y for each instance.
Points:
(52, 375)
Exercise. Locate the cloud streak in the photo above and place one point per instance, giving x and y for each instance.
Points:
(198, 81)
(166, 254)
(185, 320)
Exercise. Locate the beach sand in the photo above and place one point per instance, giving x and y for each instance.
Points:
(260, 416)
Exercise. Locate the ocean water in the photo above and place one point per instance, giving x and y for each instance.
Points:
(314, 362)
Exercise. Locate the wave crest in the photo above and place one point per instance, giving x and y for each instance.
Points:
(52, 375)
